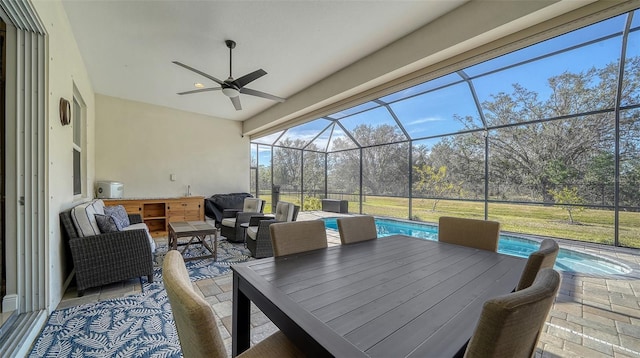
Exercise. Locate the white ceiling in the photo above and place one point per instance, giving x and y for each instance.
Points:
(128, 46)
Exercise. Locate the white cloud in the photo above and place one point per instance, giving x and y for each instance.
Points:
(425, 120)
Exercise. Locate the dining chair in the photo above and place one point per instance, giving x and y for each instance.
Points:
(196, 322)
(357, 228)
(297, 236)
(510, 325)
(545, 257)
(479, 234)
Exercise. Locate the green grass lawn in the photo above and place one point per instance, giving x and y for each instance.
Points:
(590, 225)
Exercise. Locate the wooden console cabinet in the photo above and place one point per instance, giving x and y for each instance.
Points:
(158, 213)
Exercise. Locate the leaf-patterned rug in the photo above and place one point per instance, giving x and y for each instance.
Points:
(134, 326)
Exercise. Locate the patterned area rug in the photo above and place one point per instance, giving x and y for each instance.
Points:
(134, 326)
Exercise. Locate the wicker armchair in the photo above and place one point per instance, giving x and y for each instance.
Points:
(110, 257)
(230, 225)
(261, 246)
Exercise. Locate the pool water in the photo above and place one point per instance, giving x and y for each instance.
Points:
(567, 260)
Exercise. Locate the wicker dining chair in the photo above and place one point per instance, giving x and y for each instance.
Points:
(545, 257)
(357, 228)
(479, 234)
(510, 325)
(297, 236)
(196, 322)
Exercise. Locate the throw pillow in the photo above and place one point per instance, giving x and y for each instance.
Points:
(106, 223)
(119, 215)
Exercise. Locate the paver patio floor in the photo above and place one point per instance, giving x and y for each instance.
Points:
(592, 316)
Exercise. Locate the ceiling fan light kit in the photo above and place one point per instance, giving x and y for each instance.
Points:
(230, 92)
(231, 87)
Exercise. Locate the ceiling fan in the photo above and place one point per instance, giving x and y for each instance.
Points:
(230, 87)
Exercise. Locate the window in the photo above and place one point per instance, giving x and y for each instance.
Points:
(79, 144)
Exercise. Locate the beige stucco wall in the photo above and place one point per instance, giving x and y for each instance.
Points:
(66, 69)
(141, 145)
(138, 144)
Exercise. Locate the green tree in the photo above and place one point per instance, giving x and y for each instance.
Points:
(630, 158)
(264, 178)
(313, 171)
(566, 198)
(599, 178)
(385, 168)
(287, 164)
(434, 182)
(531, 159)
(463, 156)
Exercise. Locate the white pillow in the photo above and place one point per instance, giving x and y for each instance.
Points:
(83, 217)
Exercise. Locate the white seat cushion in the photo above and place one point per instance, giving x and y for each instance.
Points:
(252, 232)
(252, 205)
(284, 211)
(83, 217)
(143, 226)
(228, 222)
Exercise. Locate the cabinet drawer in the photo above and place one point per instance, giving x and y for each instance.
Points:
(175, 209)
(130, 208)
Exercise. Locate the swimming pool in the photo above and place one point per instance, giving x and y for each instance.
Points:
(568, 260)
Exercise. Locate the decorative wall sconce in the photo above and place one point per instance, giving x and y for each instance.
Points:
(65, 111)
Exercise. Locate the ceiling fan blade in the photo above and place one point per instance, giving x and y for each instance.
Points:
(198, 72)
(248, 78)
(236, 102)
(201, 90)
(251, 92)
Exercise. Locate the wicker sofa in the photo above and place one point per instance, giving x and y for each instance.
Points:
(220, 206)
(110, 257)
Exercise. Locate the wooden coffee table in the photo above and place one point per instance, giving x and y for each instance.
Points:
(198, 231)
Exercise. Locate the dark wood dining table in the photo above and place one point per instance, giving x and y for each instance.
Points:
(397, 296)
